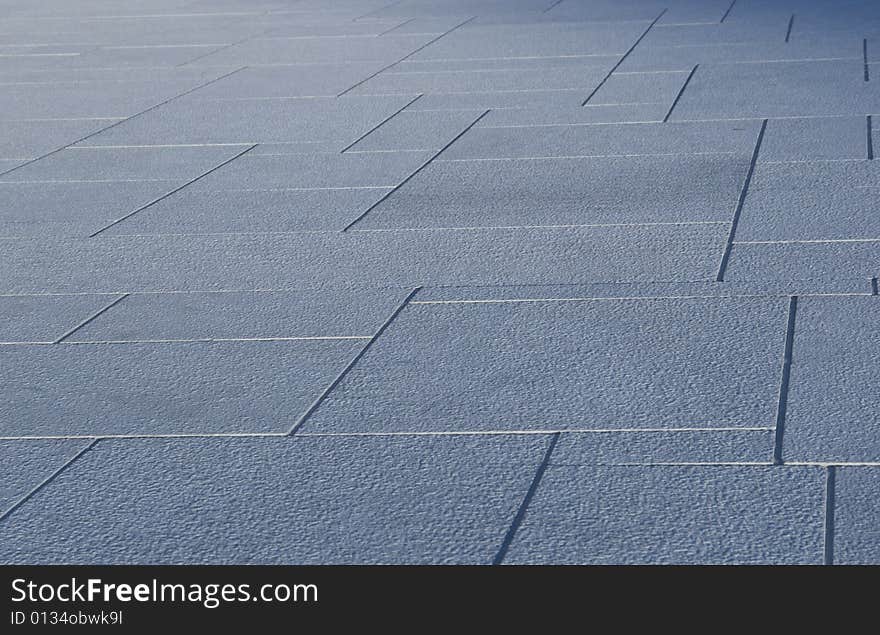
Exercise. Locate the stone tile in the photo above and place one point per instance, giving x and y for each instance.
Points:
(45, 318)
(815, 139)
(805, 261)
(584, 191)
(171, 388)
(244, 314)
(856, 516)
(832, 410)
(636, 88)
(302, 500)
(698, 363)
(30, 139)
(674, 515)
(576, 115)
(417, 131)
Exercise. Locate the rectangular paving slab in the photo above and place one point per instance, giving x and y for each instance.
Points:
(590, 365)
(674, 515)
(27, 463)
(856, 515)
(379, 500)
(45, 318)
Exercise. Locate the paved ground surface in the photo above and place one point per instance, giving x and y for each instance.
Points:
(439, 281)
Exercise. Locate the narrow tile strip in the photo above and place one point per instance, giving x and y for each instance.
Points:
(417, 170)
(92, 317)
(172, 192)
(299, 423)
(830, 478)
(620, 61)
(784, 383)
(530, 494)
(725, 257)
(21, 501)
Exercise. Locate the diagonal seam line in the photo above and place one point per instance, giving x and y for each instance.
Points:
(121, 121)
(788, 31)
(620, 61)
(173, 192)
(417, 170)
(406, 57)
(865, 58)
(326, 392)
(680, 92)
(870, 140)
(782, 404)
(530, 494)
(725, 256)
(91, 317)
(727, 13)
(830, 478)
(381, 123)
(21, 501)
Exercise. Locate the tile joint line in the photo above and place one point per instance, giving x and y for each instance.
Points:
(381, 123)
(870, 141)
(91, 318)
(726, 13)
(324, 394)
(21, 501)
(530, 494)
(412, 174)
(788, 31)
(680, 93)
(785, 381)
(725, 256)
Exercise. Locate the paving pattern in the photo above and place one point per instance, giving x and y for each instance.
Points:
(439, 281)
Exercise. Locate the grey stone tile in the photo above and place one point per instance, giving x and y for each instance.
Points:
(624, 139)
(471, 257)
(584, 191)
(584, 78)
(417, 131)
(576, 115)
(636, 88)
(38, 209)
(455, 367)
(832, 411)
(512, 99)
(674, 515)
(44, 318)
(774, 90)
(856, 516)
(199, 387)
(122, 164)
(244, 314)
(191, 120)
(573, 63)
(815, 139)
(652, 448)
(210, 210)
(805, 261)
(28, 463)
(301, 500)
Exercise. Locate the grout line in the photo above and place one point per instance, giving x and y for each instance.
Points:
(377, 10)
(784, 383)
(92, 317)
(173, 192)
(552, 6)
(530, 494)
(121, 121)
(382, 123)
(830, 477)
(204, 340)
(642, 298)
(595, 156)
(485, 227)
(870, 142)
(874, 289)
(788, 31)
(417, 170)
(620, 61)
(865, 58)
(680, 92)
(408, 55)
(812, 241)
(21, 501)
(726, 13)
(396, 26)
(725, 257)
(299, 422)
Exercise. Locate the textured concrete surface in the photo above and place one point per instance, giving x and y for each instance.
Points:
(439, 281)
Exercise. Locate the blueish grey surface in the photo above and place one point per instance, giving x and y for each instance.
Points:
(647, 227)
(856, 516)
(301, 500)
